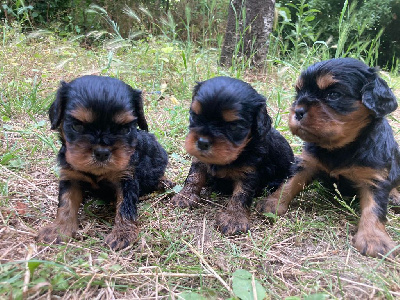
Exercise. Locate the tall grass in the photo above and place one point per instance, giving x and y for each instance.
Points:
(293, 44)
(367, 48)
(297, 44)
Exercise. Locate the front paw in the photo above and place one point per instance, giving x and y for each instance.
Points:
(374, 243)
(183, 200)
(122, 236)
(56, 233)
(271, 205)
(231, 222)
(394, 201)
(165, 184)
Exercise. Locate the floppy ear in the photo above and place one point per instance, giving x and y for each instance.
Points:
(378, 97)
(263, 121)
(56, 110)
(137, 102)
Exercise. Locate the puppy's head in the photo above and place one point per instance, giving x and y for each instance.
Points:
(97, 119)
(224, 115)
(336, 99)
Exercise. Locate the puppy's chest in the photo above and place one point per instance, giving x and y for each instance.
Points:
(95, 182)
(350, 163)
(229, 172)
(360, 175)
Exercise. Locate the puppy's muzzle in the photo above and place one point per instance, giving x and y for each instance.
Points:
(203, 144)
(299, 113)
(101, 154)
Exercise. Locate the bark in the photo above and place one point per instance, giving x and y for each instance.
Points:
(247, 31)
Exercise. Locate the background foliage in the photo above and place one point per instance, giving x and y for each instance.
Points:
(301, 24)
(369, 18)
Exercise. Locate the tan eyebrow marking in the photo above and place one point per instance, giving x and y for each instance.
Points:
(124, 117)
(196, 107)
(83, 114)
(325, 80)
(230, 115)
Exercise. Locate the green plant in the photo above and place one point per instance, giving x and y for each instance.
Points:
(22, 13)
(18, 96)
(295, 43)
(358, 26)
(302, 32)
(246, 287)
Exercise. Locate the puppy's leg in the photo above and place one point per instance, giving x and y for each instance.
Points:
(66, 223)
(278, 202)
(371, 238)
(190, 194)
(126, 229)
(235, 218)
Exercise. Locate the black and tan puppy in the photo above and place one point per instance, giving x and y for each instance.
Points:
(339, 112)
(234, 148)
(104, 152)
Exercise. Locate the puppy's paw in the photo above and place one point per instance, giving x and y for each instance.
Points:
(394, 201)
(183, 200)
(122, 236)
(165, 184)
(271, 205)
(374, 243)
(56, 233)
(233, 222)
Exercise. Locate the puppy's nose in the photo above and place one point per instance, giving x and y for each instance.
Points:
(299, 113)
(101, 154)
(203, 144)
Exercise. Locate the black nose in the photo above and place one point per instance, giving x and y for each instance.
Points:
(101, 154)
(203, 144)
(300, 112)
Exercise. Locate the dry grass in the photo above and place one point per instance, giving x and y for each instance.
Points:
(306, 252)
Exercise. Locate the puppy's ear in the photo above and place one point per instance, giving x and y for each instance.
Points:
(263, 121)
(378, 97)
(137, 102)
(56, 110)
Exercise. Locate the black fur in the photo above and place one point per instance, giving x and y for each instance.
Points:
(356, 81)
(339, 112)
(267, 150)
(101, 93)
(267, 154)
(375, 146)
(140, 171)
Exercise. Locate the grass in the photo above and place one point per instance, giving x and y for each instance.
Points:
(306, 254)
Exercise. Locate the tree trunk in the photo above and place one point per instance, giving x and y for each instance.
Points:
(247, 31)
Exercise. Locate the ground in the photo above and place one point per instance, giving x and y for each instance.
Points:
(306, 253)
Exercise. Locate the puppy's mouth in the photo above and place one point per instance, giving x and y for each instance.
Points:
(217, 151)
(310, 130)
(306, 135)
(325, 127)
(101, 164)
(297, 127)
(98, 160)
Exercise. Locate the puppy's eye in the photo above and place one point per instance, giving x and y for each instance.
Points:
(125, 130)
(233, 126)
(334, 95)
(192, 118)
(78, 128)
